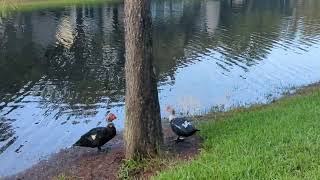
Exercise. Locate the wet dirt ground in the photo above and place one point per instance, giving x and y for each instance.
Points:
(88, 163)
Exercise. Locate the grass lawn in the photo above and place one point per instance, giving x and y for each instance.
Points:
(25, 5)
(276, 141)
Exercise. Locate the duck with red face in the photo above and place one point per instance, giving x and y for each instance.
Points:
(98, 136)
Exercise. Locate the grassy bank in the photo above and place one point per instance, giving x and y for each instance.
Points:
(25, 5)
(280, 140)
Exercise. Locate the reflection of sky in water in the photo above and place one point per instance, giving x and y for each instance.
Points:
(209, 87)
(69, 66)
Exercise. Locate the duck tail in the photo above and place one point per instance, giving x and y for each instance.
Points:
(78, 143)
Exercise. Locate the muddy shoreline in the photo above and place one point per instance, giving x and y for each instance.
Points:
(88, 163)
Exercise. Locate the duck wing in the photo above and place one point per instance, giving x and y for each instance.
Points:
(92, 138)
(183, 127)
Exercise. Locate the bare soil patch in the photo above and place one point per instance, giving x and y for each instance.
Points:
(87, 163)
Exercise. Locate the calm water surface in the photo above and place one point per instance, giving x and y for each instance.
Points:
(62, 70)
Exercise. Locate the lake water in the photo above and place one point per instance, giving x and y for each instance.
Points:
(62, 70)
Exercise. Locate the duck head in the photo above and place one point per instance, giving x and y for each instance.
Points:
(172, 113)
(111, 117)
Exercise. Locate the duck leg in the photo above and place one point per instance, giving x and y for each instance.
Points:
(179, 139)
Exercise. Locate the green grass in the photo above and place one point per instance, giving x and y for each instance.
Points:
(276, 141)
(131, 168)
(29, 5)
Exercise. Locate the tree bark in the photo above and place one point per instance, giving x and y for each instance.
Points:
(143, 132)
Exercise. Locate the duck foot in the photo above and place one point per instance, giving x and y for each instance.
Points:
(179, 139)
(104, 150)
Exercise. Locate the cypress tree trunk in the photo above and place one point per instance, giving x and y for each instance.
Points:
(143, 132)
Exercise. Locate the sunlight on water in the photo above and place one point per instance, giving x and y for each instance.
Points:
(62, 70)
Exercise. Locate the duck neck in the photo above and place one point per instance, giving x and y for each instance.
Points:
(110, 124)
(171, 117)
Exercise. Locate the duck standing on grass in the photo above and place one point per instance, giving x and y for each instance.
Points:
(181, 126)
(98, 136)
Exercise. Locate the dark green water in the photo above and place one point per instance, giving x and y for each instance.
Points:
(62, 70)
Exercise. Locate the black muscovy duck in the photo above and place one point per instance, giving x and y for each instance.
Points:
(181, 126)
(98, 136)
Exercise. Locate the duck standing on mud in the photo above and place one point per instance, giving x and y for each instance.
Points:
(181, 126)
(98, 136)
